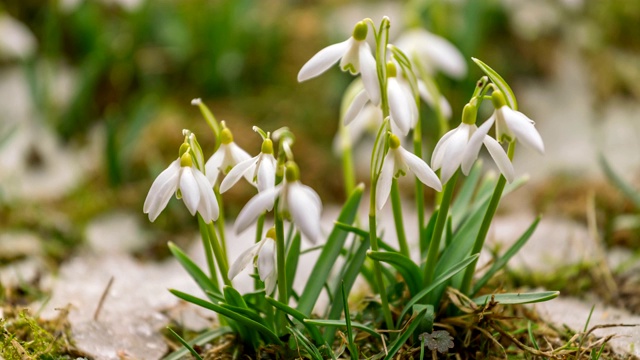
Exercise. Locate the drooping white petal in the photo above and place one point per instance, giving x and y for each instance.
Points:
(383, 187)
(475, 143)
(166, 182)
(356, 107)
(456, 147)
(208, 206)
(237, 172)
(441, 146)
(212, 166)
(369, 73)
(267, 172)
(267, 269)
(445, 56)
(523, 128)
(351, 59)
(398, 106)
(303, 204)
(189, 189)
(411, 103)
(313, 195)
(258, 204)
(244, 259)
(420, 169)
(500, 157)
(323, 60)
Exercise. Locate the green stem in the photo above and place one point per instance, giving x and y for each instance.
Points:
(208, 250)
(417, 150)
(221, 222)
(377, 268)
(486, 223)
(283, 296)
(441, 220)
(396, 206)
(347, 164)
(217, 252)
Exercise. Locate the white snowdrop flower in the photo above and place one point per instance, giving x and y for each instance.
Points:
(16, 40)
(454, 149)
(511, 125)
(297, 201)
(265, 250)
(399, 162)
(354, 55)
(434, 52)
(402, 104)
(188, 183)
(226, 157)
(260, 170)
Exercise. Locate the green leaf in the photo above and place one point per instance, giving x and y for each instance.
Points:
(499, 82)
(518, 298)
(302, 340)
(330, 253)
(402, 339)
(199, 340)
(353, 349)
(618, 182)
(196, 273)
(440, 279)
(407, 268)
(504, 259)
(312, 329)
(462, 203)
(185, 344)
(356, 325)
(266, 332)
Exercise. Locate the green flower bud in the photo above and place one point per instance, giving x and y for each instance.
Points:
(498, 100)
(394, 142)
(226, 137)
(360, 31)
(186, 160)
(469, 113)
(291, 172)
(391, 69)
(267, 146)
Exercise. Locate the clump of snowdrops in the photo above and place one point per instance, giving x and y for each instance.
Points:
(392, 83)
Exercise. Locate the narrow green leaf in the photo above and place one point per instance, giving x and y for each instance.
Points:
(199, 340)
(293, 255)
(302, 340)
(462, 203)
(440, 279)
(266, 332)
(233, 297)
(499, 82)
(532, 338)
(407, 268)
(196, 273)
(312, 329)
(504, 259)
(402, 339)
(631, 193)
(185, 344)
(330, 253)
(518, 298)
(353, 349)
(342, 323)
(246, 312)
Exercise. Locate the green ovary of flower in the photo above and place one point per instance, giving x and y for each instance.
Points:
(391, 69)
(394, 141)
(185, 159)
(498, 100)
(267, 146)
(271, 233)
(183, 149)
(226, 137)
(469, 113)
(360, 31)
(292, 173)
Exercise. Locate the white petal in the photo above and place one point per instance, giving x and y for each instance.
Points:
(161, 190)
(212, 166)
(351, 59)
(244, 259)
(383, 187)
(445, 56)
(453, 153)
(411, 102)
(522, 127)
(441, 146)
(208, 206)
(323, 60)
(475, 143)
(270, 283)
(421, 169)
(398, 107)
(236, 173)
(266, 259)
(500, 157)
(305, 208)
(189, 189)
(267, 172)
(238, 154)
(369, 73)
(258, 204)
(356, 107)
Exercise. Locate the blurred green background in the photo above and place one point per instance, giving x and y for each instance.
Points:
(95, 93)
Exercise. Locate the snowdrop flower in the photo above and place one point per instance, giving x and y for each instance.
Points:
(354, 55)
(402, 105)
(399, 162)
(297, 201)
(261, 170)
(510, 125)
(265, 250)
(433, 52)
(455, 149)
(226, 157)
(188, 183)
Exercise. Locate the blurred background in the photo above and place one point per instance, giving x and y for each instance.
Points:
(94, 95)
